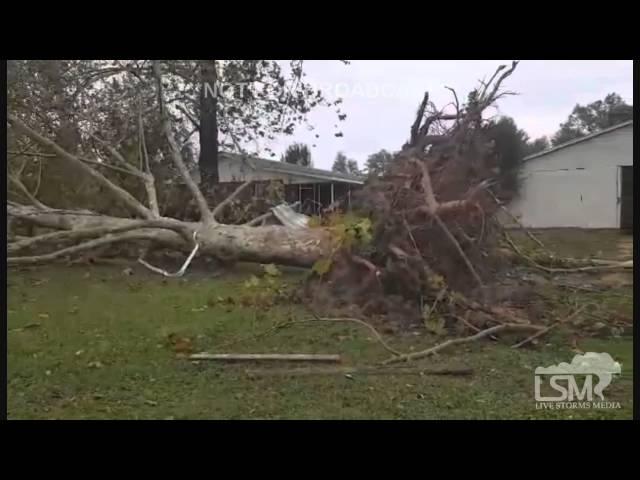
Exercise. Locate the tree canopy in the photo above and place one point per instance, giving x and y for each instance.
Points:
(377, 163)
(596, 116)
(298, 154)
(343, 164)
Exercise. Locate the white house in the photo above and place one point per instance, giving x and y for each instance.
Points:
(585, 183)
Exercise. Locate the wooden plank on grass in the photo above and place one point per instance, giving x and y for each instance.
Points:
(287, 357)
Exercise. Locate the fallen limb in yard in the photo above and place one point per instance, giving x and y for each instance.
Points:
(586, 265)
(484, 333)
(544, 331)
(184, 267)
(250, 357)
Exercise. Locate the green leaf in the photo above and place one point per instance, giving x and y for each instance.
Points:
(271, 270)
(322, 266)
(252, 282)
(435, 324)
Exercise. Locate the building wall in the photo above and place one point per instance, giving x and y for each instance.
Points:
(576, 186)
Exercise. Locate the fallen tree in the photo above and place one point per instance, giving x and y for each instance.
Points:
(84, 230)
(431, 222)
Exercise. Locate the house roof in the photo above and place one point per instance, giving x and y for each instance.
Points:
(292, 169)
(578, 140)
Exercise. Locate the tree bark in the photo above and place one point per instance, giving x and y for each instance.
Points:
(208, 161)
(269, 244)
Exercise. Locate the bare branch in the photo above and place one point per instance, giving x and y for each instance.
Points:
(184, 267)
(72, 235)
(149, 180)
(449, 343)
(434, 209)
(455, 242)
(129, 200)
(492, 96)
(186, 140)
(457, 104)
(26, 193)
(550, 327)
(191, 118)
(432, 203)
(31, 154)
(99, 242)
(260, 219)
(234, 139)
(419, 116)
(39, 180)
(220, 207)
(485, 85)
(86, 160)
(205, 213)
(117, 156)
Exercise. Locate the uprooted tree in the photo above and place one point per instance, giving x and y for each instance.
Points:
(425, 226)
(421, 245)
(445, 166)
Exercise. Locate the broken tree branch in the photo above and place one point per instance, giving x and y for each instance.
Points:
(492, 96)
(119, 193)
(148, 178)
(205, 214)
(117, 156)
(71, 235)
(25, 191)
(259, 219)
(515, 219)
(484, 333)
(463, 255)
(184, 267)
(603, 264)
(99, 242)
(544, 331)
(415, 128)
(220, 207)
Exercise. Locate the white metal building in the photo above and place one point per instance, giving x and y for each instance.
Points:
(585, 183)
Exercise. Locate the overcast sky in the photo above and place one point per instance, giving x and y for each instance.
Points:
(382, 96)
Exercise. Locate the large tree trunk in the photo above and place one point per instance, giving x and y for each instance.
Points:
(208, 161)
(268, 244)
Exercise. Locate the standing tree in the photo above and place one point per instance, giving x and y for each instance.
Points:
(537, 145)
(352, 167)
(510, 147)
(593, 117)
(343, 164)
(377, 163)
(208, 160)
(233, 103)
(340, 163)
(298, 154)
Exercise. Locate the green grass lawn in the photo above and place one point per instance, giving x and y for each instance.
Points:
(101, 351)
(578, 243)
